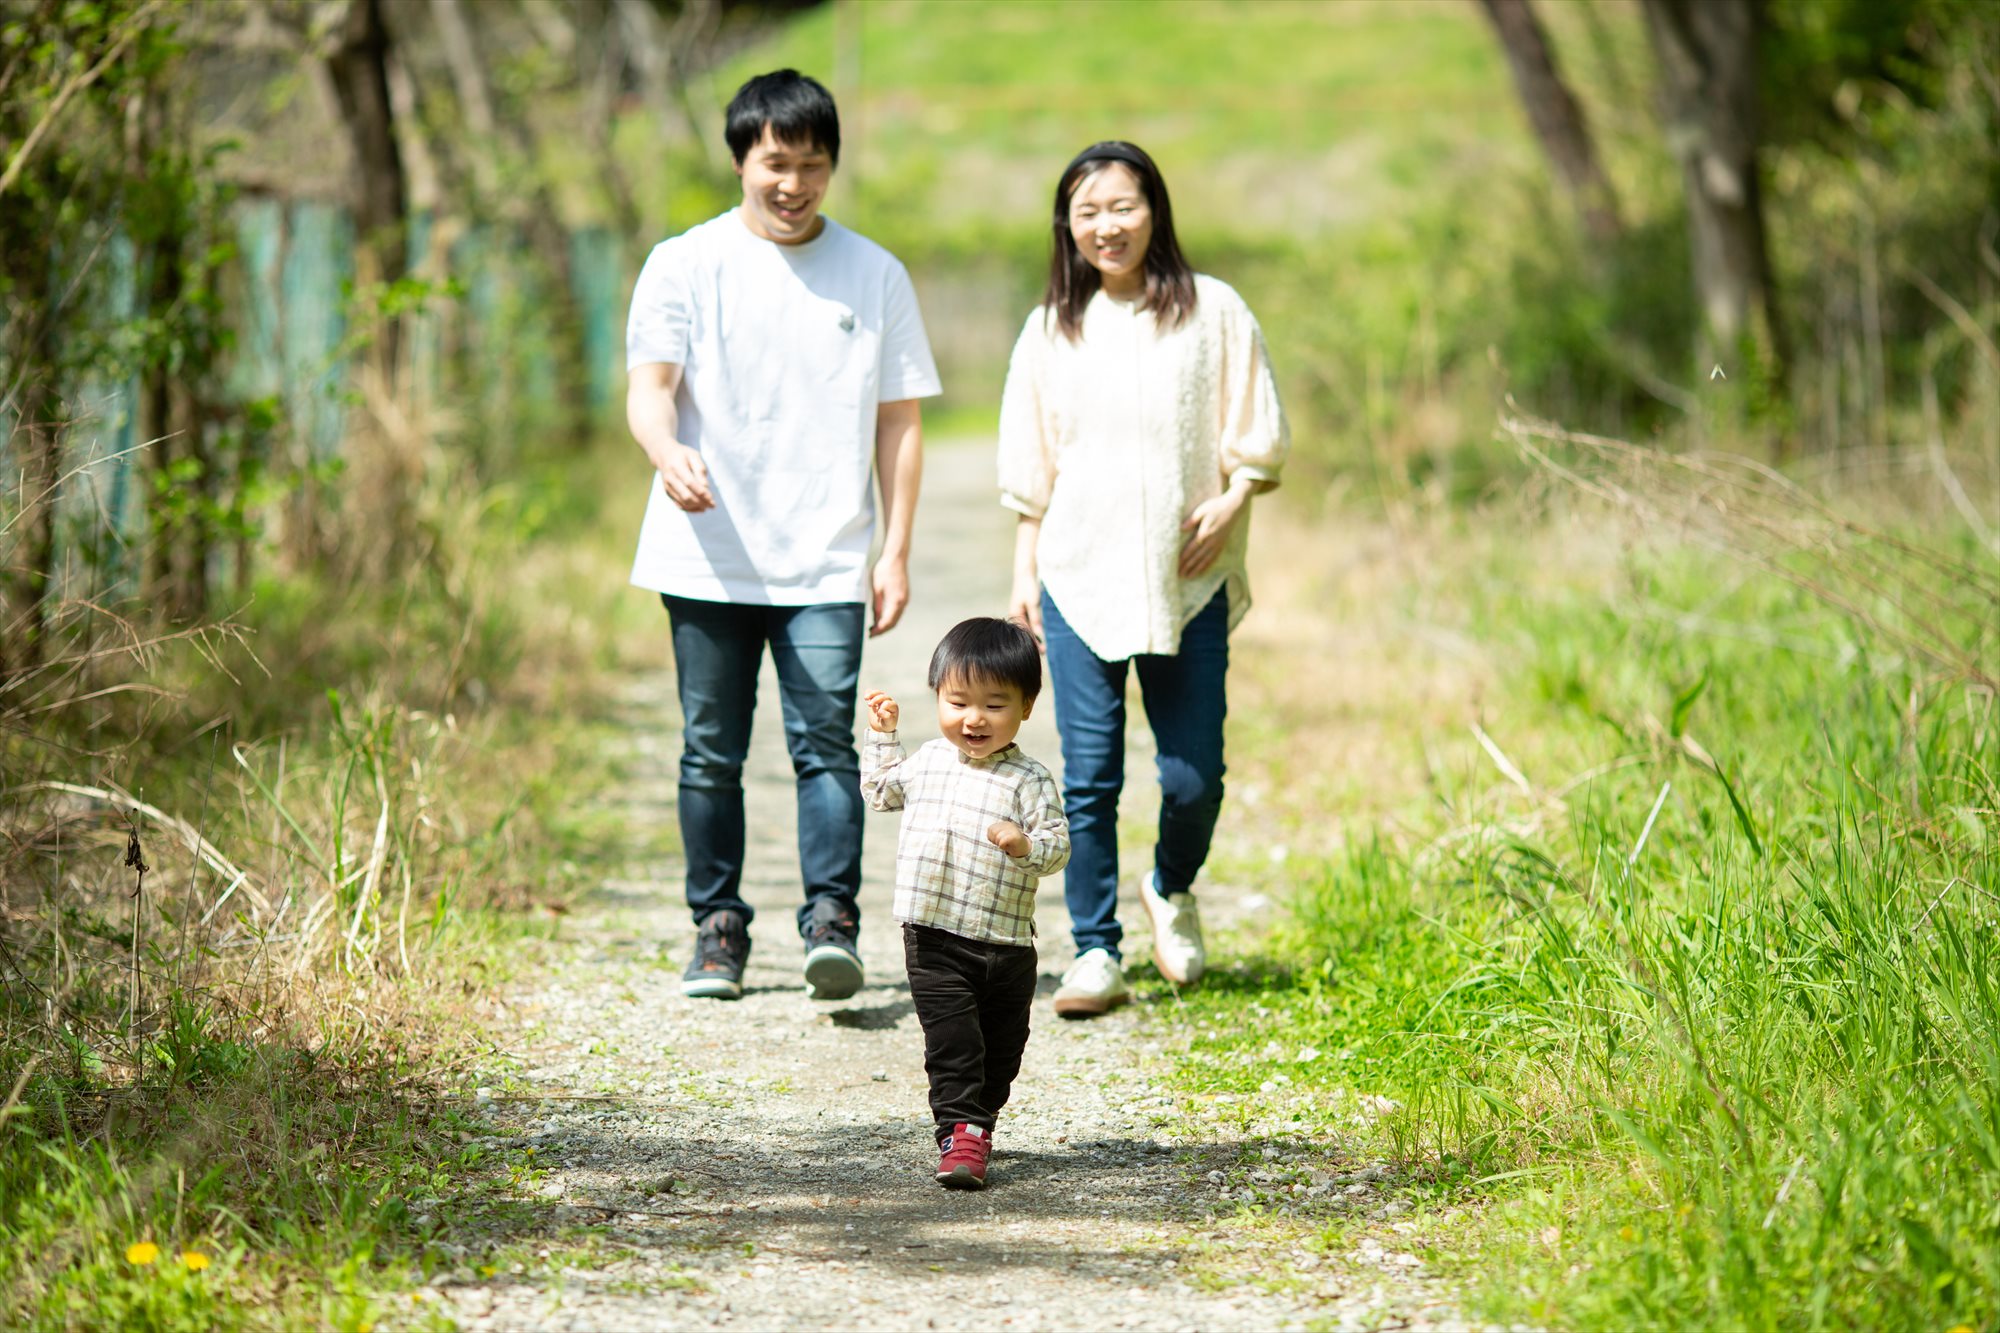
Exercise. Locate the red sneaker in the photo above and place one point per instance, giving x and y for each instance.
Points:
(963, 1166)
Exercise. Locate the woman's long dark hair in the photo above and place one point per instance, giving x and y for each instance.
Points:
(1073, 280)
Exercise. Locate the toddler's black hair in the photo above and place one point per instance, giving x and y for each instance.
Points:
(986, 648)
(798, 109)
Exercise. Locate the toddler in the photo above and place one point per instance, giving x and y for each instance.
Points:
(981, 823)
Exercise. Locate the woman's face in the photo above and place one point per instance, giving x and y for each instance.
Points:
(1112, 224)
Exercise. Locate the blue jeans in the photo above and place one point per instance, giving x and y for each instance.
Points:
(1186, 704)
(718, 647)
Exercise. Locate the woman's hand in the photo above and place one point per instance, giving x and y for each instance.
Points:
(882, 710)
(1208, 527)
(1024, 606)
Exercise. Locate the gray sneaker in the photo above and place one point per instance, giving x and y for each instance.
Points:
(721, 951)
(833, 963)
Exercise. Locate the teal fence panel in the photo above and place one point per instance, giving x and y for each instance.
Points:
(257, 366)
(314, 278)
(491, 347)
(597, 260)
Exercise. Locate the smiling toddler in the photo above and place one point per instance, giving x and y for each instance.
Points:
(982, 822)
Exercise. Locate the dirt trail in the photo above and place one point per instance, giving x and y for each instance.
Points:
(765, 1164)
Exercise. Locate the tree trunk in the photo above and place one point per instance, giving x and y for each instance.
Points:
(27, 550)
(1707, 52)
(475, 100)
(29, 398)
(1556, 115)
(359, 68)
(494, 137)
(179, 472)
(602, 62)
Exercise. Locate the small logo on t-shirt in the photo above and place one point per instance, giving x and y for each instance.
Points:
(847, 322)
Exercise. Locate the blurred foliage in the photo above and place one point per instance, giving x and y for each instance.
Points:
(1363, 174)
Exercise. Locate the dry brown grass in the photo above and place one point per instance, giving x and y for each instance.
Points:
(1361, 674)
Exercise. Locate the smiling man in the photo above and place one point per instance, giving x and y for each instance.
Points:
(776, 363)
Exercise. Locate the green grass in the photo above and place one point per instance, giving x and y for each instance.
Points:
(965, 112)
(408, 771)
(1361, 171)
(1708, 1045)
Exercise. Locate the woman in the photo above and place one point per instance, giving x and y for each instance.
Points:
(1139, 418)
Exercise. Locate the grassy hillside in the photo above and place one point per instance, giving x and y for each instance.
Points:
(1270, 118)
(1361, 171)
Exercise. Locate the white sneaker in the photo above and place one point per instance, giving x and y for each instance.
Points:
(1176, 921)
(1094, 984)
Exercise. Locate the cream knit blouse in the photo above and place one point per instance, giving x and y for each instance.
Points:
(1111, 440)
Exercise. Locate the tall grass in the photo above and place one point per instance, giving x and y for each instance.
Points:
(1689, 974)
(255, 878)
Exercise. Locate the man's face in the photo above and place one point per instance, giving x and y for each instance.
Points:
(783, 184)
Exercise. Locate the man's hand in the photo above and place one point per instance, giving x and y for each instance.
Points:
(652, 414)
(684, 477)
(1008, 837)
(892, 594)
(882, 711)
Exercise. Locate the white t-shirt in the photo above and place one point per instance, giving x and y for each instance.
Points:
(786, 350)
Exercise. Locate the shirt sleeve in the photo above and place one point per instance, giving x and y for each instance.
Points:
(1027, 453)
(1255, 436)
(908, 370)
(882, 762)
(1041, 818)
(656, 331)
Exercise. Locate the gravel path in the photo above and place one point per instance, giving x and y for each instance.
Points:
(766, 1164)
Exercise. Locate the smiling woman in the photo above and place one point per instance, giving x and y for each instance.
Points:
(1140, 416)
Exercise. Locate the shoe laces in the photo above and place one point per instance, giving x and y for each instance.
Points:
(720, 943)
(834, 930)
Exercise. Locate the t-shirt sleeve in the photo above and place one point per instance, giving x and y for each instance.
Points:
(657, 330)
(907, 368)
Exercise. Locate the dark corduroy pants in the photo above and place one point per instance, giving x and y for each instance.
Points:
(973, 1000)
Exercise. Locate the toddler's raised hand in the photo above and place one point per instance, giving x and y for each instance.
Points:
(1008, 837)
(882, 710)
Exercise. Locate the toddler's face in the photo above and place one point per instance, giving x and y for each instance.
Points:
(980, 717)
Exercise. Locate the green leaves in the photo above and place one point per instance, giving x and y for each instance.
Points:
(1684, 704)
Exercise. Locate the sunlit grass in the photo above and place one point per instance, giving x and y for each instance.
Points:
(277, 1139)
(1702, 1040)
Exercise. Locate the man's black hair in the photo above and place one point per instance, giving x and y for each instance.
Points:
(986, 649)
(798, 109)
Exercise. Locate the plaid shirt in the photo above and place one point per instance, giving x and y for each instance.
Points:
(947, 874)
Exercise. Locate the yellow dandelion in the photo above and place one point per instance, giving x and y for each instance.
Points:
(142, 1252)
(194, 1259)
(1627, 1233)
(1959, 1328)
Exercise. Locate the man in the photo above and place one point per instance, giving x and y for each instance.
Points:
(774, 357)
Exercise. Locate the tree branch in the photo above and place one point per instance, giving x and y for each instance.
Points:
(133, 27)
